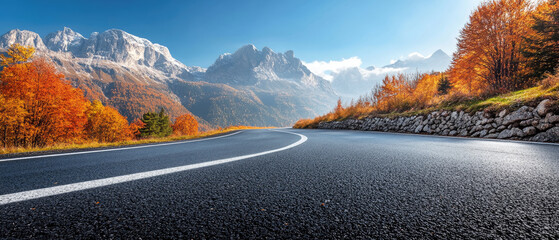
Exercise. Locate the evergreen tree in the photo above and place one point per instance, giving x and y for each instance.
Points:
(156, 124)
(444, 85)
(165, 128)
(543, 47)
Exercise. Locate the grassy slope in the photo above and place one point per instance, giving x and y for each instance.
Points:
(510, 101)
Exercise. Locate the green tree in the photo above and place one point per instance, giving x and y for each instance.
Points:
(164, 124)
(543, 46)
(156, 124)
(444, 85)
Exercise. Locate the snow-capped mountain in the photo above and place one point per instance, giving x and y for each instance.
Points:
(23, 37)
(438, 61)
(64, 41)
(109, 49)
(250, 66)
(280, 78)
(248, 87)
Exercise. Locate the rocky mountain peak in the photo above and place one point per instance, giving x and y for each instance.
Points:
(249, 66)
(289, 54)
(439, 54)
(22, 37)
(65, 40)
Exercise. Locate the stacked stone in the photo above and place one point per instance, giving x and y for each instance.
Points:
(539, 124)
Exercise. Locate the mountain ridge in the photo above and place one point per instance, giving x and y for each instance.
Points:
(97, 63)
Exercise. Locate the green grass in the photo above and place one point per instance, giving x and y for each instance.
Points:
(530, 96)
(510, 101)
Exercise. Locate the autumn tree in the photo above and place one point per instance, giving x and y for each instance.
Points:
(12, 116)
(185, 125)
(16, 54)
(543, 45)
(105, 124)
(135, 126)
(52, 110)
(490, 46)
(156, 124)
(394, 93)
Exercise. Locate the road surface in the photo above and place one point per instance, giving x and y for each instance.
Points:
(287, 183)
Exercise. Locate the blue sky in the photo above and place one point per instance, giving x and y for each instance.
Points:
(197, 32)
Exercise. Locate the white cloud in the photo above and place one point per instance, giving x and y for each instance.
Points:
(351, 80)
(415, 56)
(380, 71)
(331, 69)
(327, 69)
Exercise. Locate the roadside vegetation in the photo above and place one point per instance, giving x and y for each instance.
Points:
(93, 144)
(507, 56)
(40, 110)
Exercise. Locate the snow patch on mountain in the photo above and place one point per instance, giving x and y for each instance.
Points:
(249, 66)
(64, 41)
(22, 37)
(109, 49)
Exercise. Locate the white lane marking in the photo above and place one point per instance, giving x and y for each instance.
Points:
(116, 149)
(51, 191)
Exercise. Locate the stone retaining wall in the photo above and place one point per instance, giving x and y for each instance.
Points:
(539, 124)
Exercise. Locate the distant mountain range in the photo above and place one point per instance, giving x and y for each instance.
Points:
(248, 87)
(438, 61)
(350, 83)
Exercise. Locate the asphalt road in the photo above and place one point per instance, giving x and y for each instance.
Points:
(320, 184)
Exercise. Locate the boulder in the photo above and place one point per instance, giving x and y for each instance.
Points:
(544, 107)
(544, 126)
(553, 134)
(552, 119)
(507, 133)
(516, 132)
(503, 113)
(517, 116)
(541, 137)
(529, 131)
(427, 129)
(493, 135)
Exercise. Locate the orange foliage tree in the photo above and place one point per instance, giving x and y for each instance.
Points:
(489, 51)
(105, 124)
(185, 124)
(393, 93)
(135, 127)
(51, 109)
(12, 116)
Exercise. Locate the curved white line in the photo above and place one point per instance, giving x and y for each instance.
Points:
(51, 191)
(116, 149)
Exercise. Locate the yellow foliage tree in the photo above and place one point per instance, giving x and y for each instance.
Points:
(17, 54)
(105, 124)
(12, 116)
